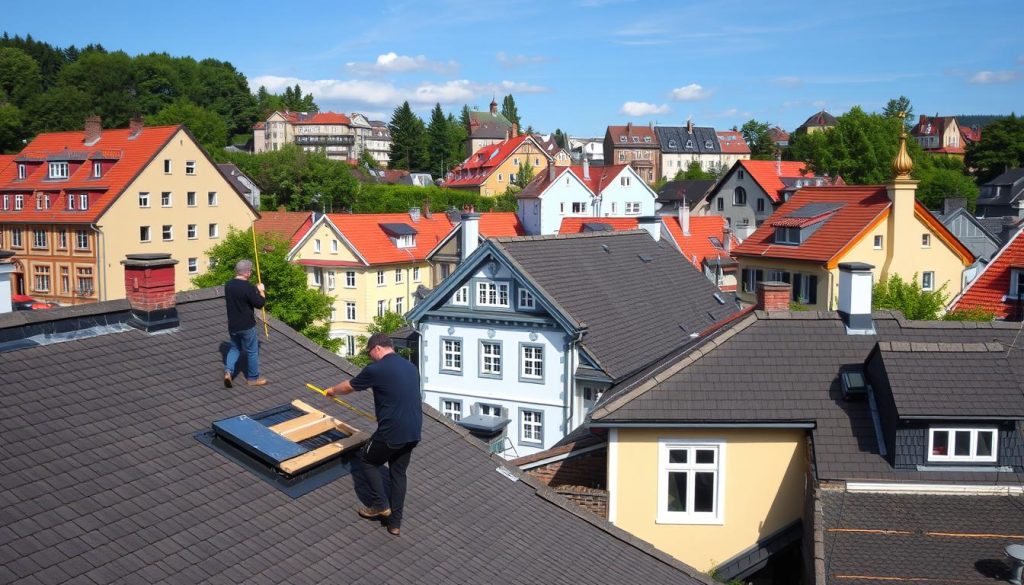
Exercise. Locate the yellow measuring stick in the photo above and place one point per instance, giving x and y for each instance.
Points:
(323, 392)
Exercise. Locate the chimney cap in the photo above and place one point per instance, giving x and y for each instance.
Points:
(470, 215)
(148, 260)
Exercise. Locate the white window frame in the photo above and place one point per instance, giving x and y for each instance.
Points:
(926, 240)
(334, 246)
(190, 167)
(168, 167)
(451, 408)
(879, 242)
(167, 233)
(490, 358)
(451, 354)
(19, 201)
(59, 170)
(213, 231)
(350, 310)
(193, 265)
(415, 273)
(495, 290)
(382, 307)
(83, 201)
(928, 280)
(526, 360)
(973, 457)
(380, 278)
(665, 445)
(461, 297)
(166, 199)
(192, 231)
(190, 198)
(579, 206)
(144, 199)
(316, 246)
(400, 305)
(535, 426)
(632, 208)
(22, 171)
(331, 279)
(211, 199)
(97, 170)
(350, 279)
(526, 299)
(1016, 283)
(399, 277)
(145, 233)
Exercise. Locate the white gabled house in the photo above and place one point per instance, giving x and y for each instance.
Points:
(519, 342)
(583, 191)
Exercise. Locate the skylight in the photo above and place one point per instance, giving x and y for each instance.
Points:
(295, 447)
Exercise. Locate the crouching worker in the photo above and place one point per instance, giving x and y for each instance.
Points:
(396, 402)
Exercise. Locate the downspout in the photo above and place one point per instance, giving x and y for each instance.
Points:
(570, 378)
(101, 257)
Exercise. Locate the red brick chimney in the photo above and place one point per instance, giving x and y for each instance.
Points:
(149, 287)
(93, 130)
(515, 130)
(773, 296)
(135, 126)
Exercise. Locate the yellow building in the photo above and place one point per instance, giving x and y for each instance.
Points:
(885, 226)
(369, 264)
(492, 169)
(73, 204)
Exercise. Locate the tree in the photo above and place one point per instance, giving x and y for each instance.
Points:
(294, 100)
(388, 323)
(296, 179)
(759, 139)
(525, 175)
(969, 314)
(909, 298)
(509, 110)
(108, 79)
(62, 107)
(694, 172)
(860, 148)
(457, 135)
(561, 138)
(408, 141)
(1001, 148)
(288, 296)
(366, 160)
(942, 177)
(895, 106)
(11, 133)
(208, 128)
(20, 78)
(439, 142)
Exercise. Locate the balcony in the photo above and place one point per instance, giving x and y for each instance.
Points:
(342, 140)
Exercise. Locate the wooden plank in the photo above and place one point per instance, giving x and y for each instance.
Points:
(297, 422)
(328, 451)
(310, 429)
(305, 407)
(342, 426)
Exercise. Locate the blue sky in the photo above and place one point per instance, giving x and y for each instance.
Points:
(580, 65)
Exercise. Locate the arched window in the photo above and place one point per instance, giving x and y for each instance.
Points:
(739, 196)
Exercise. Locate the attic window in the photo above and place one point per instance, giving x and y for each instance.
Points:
(962, 445)
(717, 243)
(294, 447)
(622, 138)
(854, 383)
(58, 170)
(647, 138)
(709, 144)
(636, 139)
(789, 236)
(402, 235)
(671, 143)
(689, 144)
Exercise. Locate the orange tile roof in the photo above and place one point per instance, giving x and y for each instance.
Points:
(732, 142)
(363, 231)
(290, 225)
(496, 224)
(990, 288)
(862, 206)
(6, 159)
(600, 177)
(769, 174)
(479, 166)
(132, 156)
(696, 247)
(322, 118)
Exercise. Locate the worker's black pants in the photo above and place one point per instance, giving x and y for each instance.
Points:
(374, 455)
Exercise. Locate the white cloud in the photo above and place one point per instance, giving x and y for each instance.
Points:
(395, 63)
(640, 109)
(989, 77)
(690, 93)
(510, 61)
(788, 81)
(732, 113)
(382, 93)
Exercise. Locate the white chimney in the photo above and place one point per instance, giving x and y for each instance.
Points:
(470, 233)
(684, 217)
(727, 239)
(778, 163)
(855, 282)
(414, 214)
(551, 171)
(652, 224)
(586, 169)
(6, 268)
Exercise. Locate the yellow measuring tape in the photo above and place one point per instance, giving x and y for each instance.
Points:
(323, 392)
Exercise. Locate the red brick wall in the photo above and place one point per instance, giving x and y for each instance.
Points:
(586, 470)
(594, 501)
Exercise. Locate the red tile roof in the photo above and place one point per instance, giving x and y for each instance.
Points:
(322, 118)
(475, 169)
(600, 177)
(989, 289)
(863, 206)
(732, 142)
(363, 231)
(769, 174)
(695, 247)
(629, 131)
(123, 157)
(290, 225)
(496, 224)
(6, 159)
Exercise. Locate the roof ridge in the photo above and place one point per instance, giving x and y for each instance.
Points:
(940, 347)
(506, 239)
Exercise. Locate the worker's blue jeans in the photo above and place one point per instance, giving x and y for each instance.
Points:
(247, 342)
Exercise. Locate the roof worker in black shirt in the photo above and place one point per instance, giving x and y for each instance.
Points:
(396, 402)
(241, 298)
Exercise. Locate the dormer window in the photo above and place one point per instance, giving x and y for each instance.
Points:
(709, 144)
(689, 145)
(789, 236)
(1016, 284)
(622, 138)
(402, 235)
(636, 139)
(19, 202)
(671, 143)
(71, 201)
(58, 170)
(97, 170)
(647, 138)
(22, 171)
(964, 445)
(492, 294)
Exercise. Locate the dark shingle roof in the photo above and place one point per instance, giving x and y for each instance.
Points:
(798, 383)
(687, 140)
(609, 282)
(929, 379)
(102, 481)
(883, 538)
(691, 191)
(1004, 189)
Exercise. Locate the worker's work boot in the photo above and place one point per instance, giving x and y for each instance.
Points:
(371, 513)
(257, 382)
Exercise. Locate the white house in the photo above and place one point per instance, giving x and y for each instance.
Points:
(583, 191)
(521, 340)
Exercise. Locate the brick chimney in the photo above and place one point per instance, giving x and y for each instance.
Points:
(149, 286)
(93, 130)
(773, 296)
(426, 208)
(515, 129)
(6, 268)
(135, 127)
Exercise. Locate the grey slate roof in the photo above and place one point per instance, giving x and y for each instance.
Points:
(886, 538)
(101, 480)
(692, 191)
(637, 299)
(488, 125)
(1002, 190)
(230, 172)
(679, 140)
(930, 379)
(782, 368)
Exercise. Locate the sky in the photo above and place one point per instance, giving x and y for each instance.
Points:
(581, 65)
